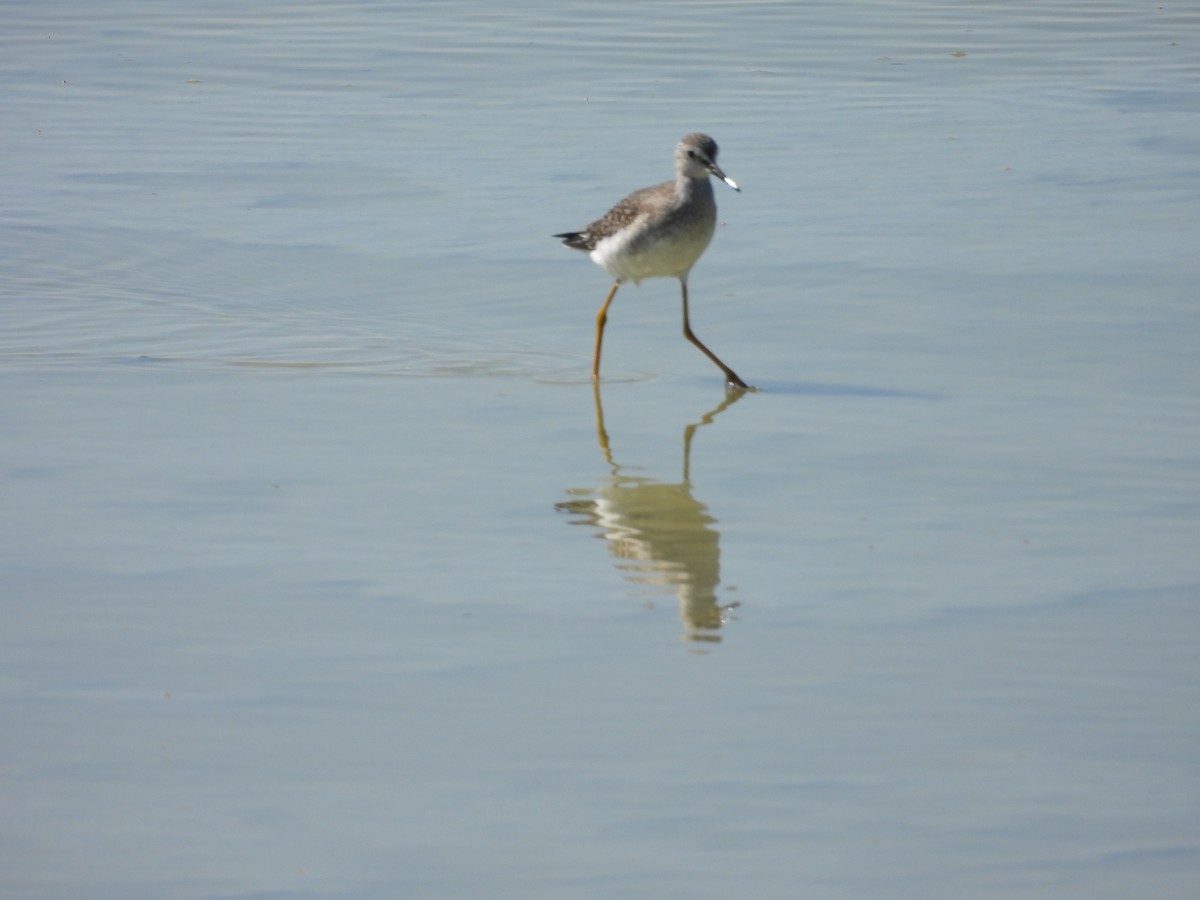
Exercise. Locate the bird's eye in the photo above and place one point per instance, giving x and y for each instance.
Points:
(691, 154)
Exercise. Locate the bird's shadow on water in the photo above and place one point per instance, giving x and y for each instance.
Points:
(819, 389)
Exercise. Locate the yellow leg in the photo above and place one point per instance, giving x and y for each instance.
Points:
(730, 375)
(601, 318)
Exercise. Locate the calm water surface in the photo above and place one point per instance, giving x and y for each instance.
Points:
(326, 573)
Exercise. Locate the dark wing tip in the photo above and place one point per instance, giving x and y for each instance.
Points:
(575, 239)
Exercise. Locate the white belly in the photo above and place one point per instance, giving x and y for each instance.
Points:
(629, 256)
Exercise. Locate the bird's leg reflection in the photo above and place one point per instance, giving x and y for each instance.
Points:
(660, 534)
(732, 396)
(601, 431)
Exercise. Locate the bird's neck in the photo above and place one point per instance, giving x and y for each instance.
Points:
(687, 188)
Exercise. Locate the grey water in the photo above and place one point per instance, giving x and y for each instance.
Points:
(325, 572)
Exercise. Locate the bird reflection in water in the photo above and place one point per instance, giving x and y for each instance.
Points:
(659, 533)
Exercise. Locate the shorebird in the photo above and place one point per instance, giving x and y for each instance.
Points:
(659, 231)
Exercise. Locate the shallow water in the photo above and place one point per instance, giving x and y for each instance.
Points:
(326, 572)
